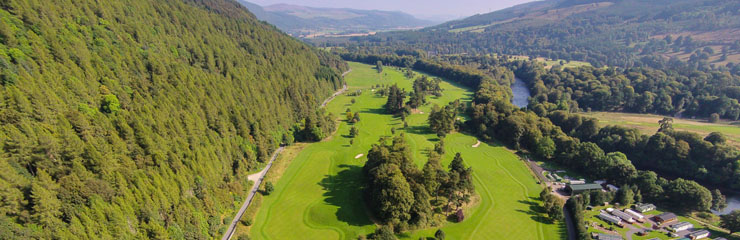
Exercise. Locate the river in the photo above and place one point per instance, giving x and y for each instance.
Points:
(521, 93)
(733, 203)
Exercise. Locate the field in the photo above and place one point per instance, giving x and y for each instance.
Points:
(549, 63)
(648, 124)
(319, 195)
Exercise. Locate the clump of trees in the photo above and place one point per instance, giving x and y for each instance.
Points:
(424, 86)
(731, 221)
(315, 126)
(552, 204)
(395, 103)
(400, 194)
(442, 120)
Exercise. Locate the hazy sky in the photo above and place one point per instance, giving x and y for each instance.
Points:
(419, 8)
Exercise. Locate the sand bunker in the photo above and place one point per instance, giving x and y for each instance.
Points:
(359, 155)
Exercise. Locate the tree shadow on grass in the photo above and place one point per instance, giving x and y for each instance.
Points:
(536, 211)
(421, 130)
(344, 190)
(374, 110)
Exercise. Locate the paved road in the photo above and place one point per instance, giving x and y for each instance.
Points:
(258, 177)
(344, 88)
(569, 224)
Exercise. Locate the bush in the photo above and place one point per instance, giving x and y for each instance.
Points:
(713, 118)
(269, 188)
(247, 221)
(439, 235)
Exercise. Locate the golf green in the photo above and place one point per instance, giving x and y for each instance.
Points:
(319, 195)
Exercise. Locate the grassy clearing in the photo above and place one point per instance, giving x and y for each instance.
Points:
(319, 195)
(549, 63)
(648, 124)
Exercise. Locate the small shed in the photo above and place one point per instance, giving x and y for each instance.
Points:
(699, 234)
(665, 217)
(612, 188)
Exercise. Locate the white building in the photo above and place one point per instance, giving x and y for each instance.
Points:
(682, 226)
(609, 218)
(623, 216)
(701, 234)
(637, 216)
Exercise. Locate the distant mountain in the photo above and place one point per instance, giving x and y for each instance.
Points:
(301, 21)
(610, 32)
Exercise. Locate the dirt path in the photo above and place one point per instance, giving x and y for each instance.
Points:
(257, 179)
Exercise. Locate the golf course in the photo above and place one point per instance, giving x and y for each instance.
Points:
(319, 195)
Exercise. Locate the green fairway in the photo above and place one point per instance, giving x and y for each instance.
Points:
(319, 195)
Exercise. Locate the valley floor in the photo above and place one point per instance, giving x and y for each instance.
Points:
(319, 195)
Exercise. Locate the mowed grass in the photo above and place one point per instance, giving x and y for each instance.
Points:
(648, 124)
(319, 195)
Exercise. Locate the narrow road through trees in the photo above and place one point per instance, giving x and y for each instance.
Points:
(258, 177)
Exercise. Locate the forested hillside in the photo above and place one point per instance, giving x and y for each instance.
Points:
(603, 32)
(140, 119)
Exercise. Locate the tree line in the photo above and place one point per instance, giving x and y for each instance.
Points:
(684, 154)
(668, 91)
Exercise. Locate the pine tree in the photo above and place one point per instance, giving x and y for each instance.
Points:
(46, 204)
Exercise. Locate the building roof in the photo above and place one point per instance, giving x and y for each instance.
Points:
(720, 238)
(584, 187)
(681, 224)
(622, 215)
(634, 214)
(609, 218)
(644, 206)
(699, 233)
(666, 216)
(603, 236)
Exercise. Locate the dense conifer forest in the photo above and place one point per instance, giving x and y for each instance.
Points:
(141, 119)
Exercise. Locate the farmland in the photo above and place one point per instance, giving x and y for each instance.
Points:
(648, 124)
(319, 195)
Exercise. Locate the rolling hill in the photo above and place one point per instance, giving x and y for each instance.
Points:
(602, 32)
(300, 21)
(141, 119)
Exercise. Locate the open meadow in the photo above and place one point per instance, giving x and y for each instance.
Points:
(648, 124)
(319, 195)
